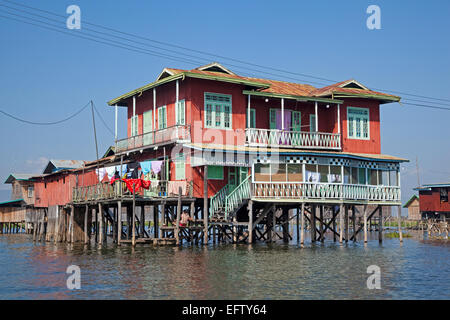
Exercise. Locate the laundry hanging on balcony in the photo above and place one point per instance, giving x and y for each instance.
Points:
(146, 167)
(138, 183)
(156, 166)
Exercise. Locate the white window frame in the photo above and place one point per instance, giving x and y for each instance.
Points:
(134, 125)
(312, 123)
(352, 124)
(165, 117)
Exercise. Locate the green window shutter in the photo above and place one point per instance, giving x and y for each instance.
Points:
(273, 118)
(218, 111)
(252, 118)
(148, 123)
(162, 117)
(296, 121)
(180, 168)
(358, 123)
(134, 125)
(312, 123)
(180, 113)
(215, 172)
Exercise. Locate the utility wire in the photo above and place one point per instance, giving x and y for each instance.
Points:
(145, 51)
(44, 123)
(219, 56)
(102, 120)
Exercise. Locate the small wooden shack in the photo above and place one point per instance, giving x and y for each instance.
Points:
(413, 206)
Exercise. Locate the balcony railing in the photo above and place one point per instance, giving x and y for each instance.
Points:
(157, 137)
(334, 191)
(292, 139)
(118, 190)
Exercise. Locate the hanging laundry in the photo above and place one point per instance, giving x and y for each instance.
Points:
(146, 166)
(156, 166)
(123, 170)
(138, 183)
(110, 171)
(101, 172)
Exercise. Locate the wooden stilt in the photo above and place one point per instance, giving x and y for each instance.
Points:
(346, 223)
(205, 205)
(155, 221)
(302, 230)
(297, 218)
(95, 211)
(399, 223)
(313, 223)
(85, 229)
(334, 223)
(100, 227)
(365, 223)
(142, 225)
(354, 223)
(177, 227)
(119, 222)
(250, 221)
(133, 218)
(321, 223)
(380, 224)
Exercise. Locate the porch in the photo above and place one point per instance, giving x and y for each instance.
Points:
(177, 133)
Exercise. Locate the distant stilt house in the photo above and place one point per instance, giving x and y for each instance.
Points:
(434, 200)
(15, 215)
(413, 208)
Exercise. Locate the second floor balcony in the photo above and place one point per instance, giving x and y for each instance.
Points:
(177, 133)
(292, 139)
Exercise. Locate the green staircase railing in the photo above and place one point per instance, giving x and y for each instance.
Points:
(217, 202)
(237, 196)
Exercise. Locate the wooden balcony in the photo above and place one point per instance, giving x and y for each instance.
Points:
(292, 139)
(118, 191)
(325, 191)
(178, 133)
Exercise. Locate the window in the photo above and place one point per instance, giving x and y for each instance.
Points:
(262, 172)
(373, 177)
(180, 167)
(294, 172)
(215, 172)
(358, 123)
(162, 117)
(443, 192)
(180, 112)
(278, 172)
(252, 118)
(393, 178)
(296, 121)
(134, 125)
(362, 176)
(30, 192)
(218, 111)
(312, 123)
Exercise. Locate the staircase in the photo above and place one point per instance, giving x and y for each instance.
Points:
(226, 202)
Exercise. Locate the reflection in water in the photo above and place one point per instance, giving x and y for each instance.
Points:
(416, 270)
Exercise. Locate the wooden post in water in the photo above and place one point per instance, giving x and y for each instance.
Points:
(285, 225)
(302, 219)
(313, 223)
(95, 211)
(334, 223)
(86, 212)
(119, 222)
(100, 227)
(205, 205)
(155, 210)
(72, 229)
(365, 223)
(250, 221)
(346, 223)
(354, 223)
(133, 223)
(177, 227)
(341, 223)
(399, 223)
(380, 224)
(322, 237)
(142, 221)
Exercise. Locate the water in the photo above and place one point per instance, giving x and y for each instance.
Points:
(415, 270)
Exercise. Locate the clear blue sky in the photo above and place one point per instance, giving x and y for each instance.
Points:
(47, 76)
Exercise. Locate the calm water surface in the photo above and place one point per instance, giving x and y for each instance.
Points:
(415, 270)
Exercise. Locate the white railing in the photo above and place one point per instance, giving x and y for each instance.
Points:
(295, 139)
(308, 190)
(166, 135)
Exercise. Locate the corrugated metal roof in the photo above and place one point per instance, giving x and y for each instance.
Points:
(57, 165)
(12, 203)
(19, 176)
(427, 187)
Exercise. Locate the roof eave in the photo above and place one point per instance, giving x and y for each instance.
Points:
(290, 96)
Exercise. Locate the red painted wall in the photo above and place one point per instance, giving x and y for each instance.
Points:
(57, 189)
(373, 145)
(430, 201)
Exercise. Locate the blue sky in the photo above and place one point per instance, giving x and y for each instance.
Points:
(46, 76)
